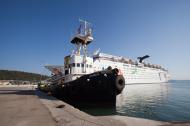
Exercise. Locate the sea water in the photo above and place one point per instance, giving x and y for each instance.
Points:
(164, 101)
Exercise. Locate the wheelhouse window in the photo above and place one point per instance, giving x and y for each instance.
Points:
(82, 64)
(66, 72)
(73, 64)
(90, 66)
(78, 64)
(87, 65)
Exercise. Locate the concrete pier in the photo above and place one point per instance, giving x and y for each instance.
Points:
(25, 106)
(19, 106)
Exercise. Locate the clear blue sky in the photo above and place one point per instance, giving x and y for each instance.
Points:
(37, 32)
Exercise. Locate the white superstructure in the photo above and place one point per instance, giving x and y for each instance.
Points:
(79, 63)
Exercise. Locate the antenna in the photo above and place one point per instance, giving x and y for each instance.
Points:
(82, 38)
(96, 51)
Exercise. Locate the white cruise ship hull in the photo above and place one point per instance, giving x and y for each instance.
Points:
(134, 74)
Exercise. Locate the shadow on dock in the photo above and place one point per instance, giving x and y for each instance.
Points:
(17, 92)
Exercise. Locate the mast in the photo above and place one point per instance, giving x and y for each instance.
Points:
(82, 38)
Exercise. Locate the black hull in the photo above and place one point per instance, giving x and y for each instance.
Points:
(99, 88)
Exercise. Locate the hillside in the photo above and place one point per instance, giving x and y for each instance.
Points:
(19, 75)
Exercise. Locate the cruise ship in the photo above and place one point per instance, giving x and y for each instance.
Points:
(80, 63)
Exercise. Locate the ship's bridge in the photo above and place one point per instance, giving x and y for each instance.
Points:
(76, 66)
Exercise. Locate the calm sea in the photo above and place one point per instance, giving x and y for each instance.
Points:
(166, 102)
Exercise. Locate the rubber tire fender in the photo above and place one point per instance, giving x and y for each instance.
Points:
(119, 83)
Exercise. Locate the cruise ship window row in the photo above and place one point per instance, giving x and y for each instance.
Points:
(151, 76)
(138, 78)
(81, 65)
(138, 67)
(129, 75)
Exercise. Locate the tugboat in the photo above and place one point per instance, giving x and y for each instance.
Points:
(78, 81)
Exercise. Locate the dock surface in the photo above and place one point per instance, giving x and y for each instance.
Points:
(25, 106)
(19, 106)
